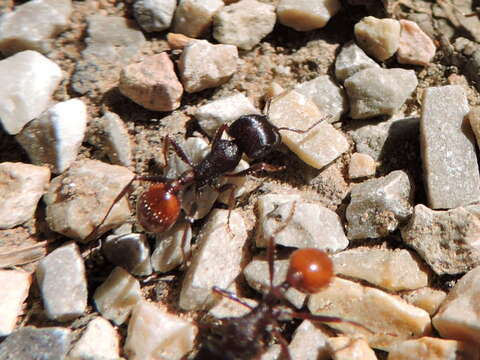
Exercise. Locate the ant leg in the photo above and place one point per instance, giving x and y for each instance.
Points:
(231, 199)
(283, 344)
(178, 150)
(256, 168)
(218, 134)
(300, 131)
(231, 296)
(329, 319)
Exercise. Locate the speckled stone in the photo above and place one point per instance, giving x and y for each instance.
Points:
(352, 59)
(116, 138)
(378, 37)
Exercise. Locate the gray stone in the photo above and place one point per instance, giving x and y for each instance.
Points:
(352, 59)
(378, 37)
(154, 15)
(194, 17)
(378, 206)
(62, 281)
(117, 140)
(15, 285)
(129, 251)
(306, 15)
(450, 166)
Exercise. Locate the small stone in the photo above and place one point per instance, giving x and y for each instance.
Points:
(153, 333)
(274, 352)
(99, 341)
(154, 15)
(452, 180)
(194, 17)
(130, 251)
(28, 82)
(350, 60)
(433, 349)
(347, 348)
(378, 37)
(216, 261)
(62, 281)
(393, 270)
(28, 343)
(15, 285)
(178, 41)
(361, 165)
(33, 25)
(117, 140)
(56, 136)
(474, 119)
(152, 83)
(319, 146)
(425, 298)
(203, 65)
(244, 23)
(327, 95)
(78, 200)
(228, 308)
(390, 318)
(21, 188)
(309, 342)
(415, 47)
(376, 91)
(379, 205)
(306, 15)
(117, 296)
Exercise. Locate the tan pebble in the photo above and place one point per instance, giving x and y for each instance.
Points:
(378, 37)
(178, 41)
(305, 15)
(415, 47)
(361, 165)
(474, 118)
(346, 348)
(425, 298)
(428, 348)
(194, 17)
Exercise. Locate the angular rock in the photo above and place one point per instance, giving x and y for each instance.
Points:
(178, 41)
(346, 348)
(117, 140)
(78, 200)
(203, 65)
(376, 91)
(306, 15)
(56, 136)
(378, 37)
(415, 47)
(129, 251)
(361, 165)
(452, 180)
(117, 296)
(194, 17)
(319, 146)
(152, 83)
(29, 80)
(352, 59)
(15, 285)
(154, 15)
(244, 23)
(21, 188)
(378, 206)
(309, 342)
(62, 281)
(425, 298)
(433, 348)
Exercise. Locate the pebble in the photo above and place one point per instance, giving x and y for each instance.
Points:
(129, 251)
(116, 138)
(244, 23)
(152, 83)
(33, 25)
(452, 180)
(306, 15)
(376, 91)
(15, 285)
(62, 281)
(154, 15)
(117, 296)
(228, 308)
(415, 47)
(216, 261)
(78, 199)
(310, 226)
(347, 348)
(389, 317)
(350, 60)
(29, 80)
(55, 137)
(433, 349)
(361, 165)
(425, 298)
(28, 343)
(309, 342)
(153, 333)
(378, 37)
(203, 65)
(446, 240)
(178, 41)
(319, 146)
(194, 17)
(99, 341)
(327, 95)
(378, 206)
(474, 119)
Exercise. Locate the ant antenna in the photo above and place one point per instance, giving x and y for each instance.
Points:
(300, 131)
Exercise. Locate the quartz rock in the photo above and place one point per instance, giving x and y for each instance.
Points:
(203, 65)
(117, 140)
(433, 348)
(376, 91)
(62, 281)
(361, 165)
(168, 253)
(21, 188)
(129, 251)
(415, 47)
(319, 146)
(244, 23)
(117, 296)
(425, 298)
(56, 136)
(350, 60)
(152, 83)
(379, 205)
(79, 199)
(450, 166)
(305, 15)
(15, 285)
(194, 17)
(29, 80)
(309, 342)
(346, 348)
(378, 37)
(154, 15)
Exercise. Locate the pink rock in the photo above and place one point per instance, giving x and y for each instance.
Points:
(415, 46)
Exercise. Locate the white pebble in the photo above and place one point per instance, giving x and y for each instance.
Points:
(15, 285)
(305, 15)
(352, 59)
(378, 37)
(194, 17)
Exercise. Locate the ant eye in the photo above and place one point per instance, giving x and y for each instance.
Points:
(310, 270)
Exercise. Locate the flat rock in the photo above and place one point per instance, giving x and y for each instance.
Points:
(452, 180)
(194, 17)
(153, 333)
(378, 206)
(21, 188)
(378, 37)
(309, 342)
(154, 15)
(55, 137)
(361, 165)
(415, 47)
(116, 138)
(425, 298)
(29, 80)
(15, 285)
(433, 348)
(346, 348)
(306, 15)
(350, 60)
(79, 199)
(129, 251)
